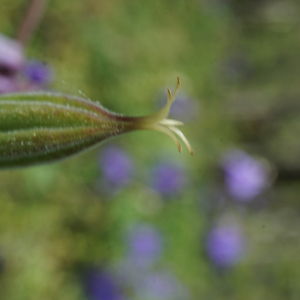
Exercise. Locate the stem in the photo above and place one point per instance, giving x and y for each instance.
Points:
(31, 20)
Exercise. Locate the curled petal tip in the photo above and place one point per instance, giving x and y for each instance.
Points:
(159, 122)
(184, 139)
(169, 94)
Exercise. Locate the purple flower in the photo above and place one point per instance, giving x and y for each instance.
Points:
(7, 85)
(184, 109)
(11, 55)
(225, 245)
(101, 285)
(145, 245)
(116, 166)
(168, 179)
(11, 61)
(236, 68)
(245, 176)
(160, 286)
(38, 72)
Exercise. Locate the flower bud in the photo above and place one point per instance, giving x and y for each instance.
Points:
(43, 127)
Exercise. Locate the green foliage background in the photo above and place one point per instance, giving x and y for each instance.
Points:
(123, 53)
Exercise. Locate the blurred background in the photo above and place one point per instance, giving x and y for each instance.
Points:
(133, 219)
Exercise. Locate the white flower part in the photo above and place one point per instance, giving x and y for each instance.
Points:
(159, 122)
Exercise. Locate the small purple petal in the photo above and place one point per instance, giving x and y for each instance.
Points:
(7, 85)
(128, 272)
(236, 68)
(145, 245)
(11, 54)
(116, 166)
(184, 108)
(225, 245)
(160, 286)
(38, 72)
(245, 177)
(100, 285)
(168, 179)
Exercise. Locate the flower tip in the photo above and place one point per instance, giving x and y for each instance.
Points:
(169, 94)
(159, 122)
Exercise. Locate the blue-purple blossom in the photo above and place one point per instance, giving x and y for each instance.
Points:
(245, 176)
(38, 72)
(160, 286)
(168, 179)
(11, 61)
(7, 84)
(116, 166)
(128, 272)
(12, 65)
(235, 68)
(11, 54)
(225, 245)
(144, 245)
(101, 285)
(184, 109)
